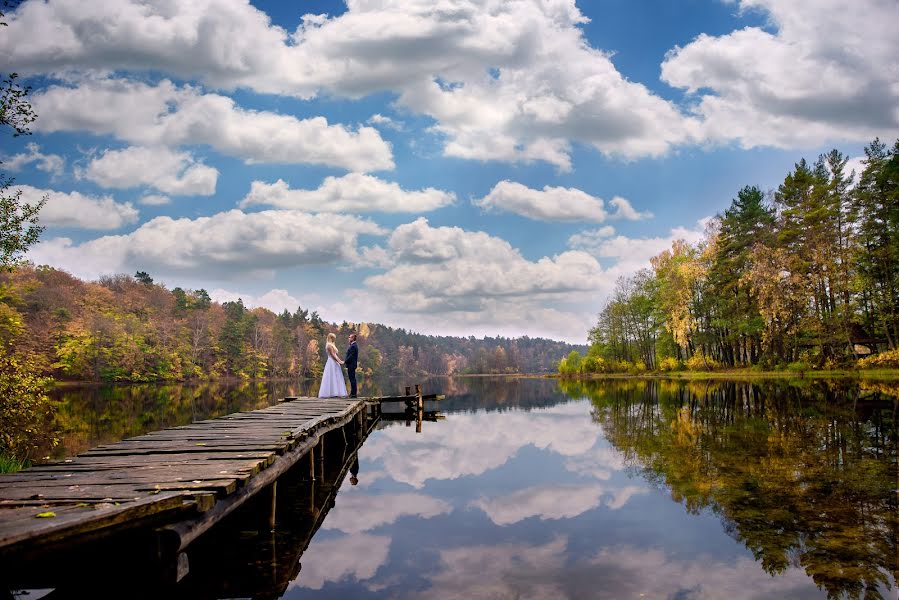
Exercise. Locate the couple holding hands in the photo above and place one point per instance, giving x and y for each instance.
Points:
(333, 385)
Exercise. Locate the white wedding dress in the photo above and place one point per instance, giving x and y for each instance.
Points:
(333, 385)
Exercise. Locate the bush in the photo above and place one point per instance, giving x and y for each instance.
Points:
(637, 368)
(698, 362)
(888, 359)
(26, 412)
(669, 363)
(800, 366)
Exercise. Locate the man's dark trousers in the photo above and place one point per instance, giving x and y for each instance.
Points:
(351, 360)
(352, 375)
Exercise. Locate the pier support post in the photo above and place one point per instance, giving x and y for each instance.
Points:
(273, 492)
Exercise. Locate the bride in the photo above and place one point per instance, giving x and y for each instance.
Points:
(333, 385)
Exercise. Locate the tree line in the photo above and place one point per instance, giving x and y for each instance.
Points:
(124, 328)
(805, 276)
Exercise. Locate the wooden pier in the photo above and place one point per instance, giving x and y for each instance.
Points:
(176, 483)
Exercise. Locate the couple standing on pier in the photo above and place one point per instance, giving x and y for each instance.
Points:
(333, 385)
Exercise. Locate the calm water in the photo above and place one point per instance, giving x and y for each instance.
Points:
(539, 489)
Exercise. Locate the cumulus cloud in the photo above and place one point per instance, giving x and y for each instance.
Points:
(825, 73)
(379, 120)
(503, 80)
(546, 502)
(276, 300)
(48, 163)
(168, 115)
(631, 254)
(355, 192)
(80, 211)
(352, 556)
(358, 512)
(473, 444)
(554, 204)
(449, 268)
(226, 245)
(155, 200)
(552, 570)
(161, 168)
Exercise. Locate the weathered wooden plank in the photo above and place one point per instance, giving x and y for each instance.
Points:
(231, 457)
(89, 461)
(20, 524)
(182, 471)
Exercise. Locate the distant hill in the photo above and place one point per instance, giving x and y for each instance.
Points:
(124, 328)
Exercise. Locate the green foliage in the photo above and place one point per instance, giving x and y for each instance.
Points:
(10, 464)
(18, 224)
(803, 275)
(123, 329)
(25, 409)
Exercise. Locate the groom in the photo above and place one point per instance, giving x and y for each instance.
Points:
(352, 357)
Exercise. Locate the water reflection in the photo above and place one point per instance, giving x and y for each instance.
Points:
(535, 488)
(802, 477)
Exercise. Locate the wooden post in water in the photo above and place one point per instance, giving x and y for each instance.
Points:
(274, 497)
(421, 407)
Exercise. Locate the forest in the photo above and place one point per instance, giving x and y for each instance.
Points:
(802, 277)
(124, 328)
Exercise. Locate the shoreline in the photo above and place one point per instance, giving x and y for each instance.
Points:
(743, 374)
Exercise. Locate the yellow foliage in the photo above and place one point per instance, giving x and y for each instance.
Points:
(882, 360)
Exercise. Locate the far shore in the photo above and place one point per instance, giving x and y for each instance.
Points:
(746, 374)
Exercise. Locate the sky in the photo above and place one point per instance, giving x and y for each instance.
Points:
(461, 167)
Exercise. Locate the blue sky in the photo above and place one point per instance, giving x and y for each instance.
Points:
(469, 167)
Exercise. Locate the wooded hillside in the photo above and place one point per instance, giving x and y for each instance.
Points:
(124, 328)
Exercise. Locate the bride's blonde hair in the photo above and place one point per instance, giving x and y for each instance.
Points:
(331, 338)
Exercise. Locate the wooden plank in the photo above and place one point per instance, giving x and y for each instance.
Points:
(183, 471)
(18, 525)
(177, 537)
(89, 461)
(232, 457)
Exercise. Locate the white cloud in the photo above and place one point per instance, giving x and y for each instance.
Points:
(155, 200)
(354, 192)
(165, 114)
(827, 73)
(855, 164)
(166, 170)
(385, 121)
(654, 573)
(546, 502)
(357, 512)
(353, 556)
(551, 570)
(513, 570)
(624, 210)
(78, 210)
(48, 163)
(504, 80)
(276, 300)
(631, 254)
(553, 204)
(473, 444)
(226, 245)
(449, 268)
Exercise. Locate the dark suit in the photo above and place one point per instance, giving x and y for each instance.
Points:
(351, 359)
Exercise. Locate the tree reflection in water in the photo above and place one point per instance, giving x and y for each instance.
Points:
(803, 475)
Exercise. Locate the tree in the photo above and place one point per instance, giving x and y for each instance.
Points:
(143, 277)
(18, 220)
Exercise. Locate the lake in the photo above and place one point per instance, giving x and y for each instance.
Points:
(536, 488)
